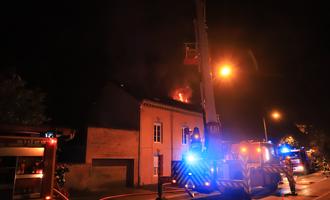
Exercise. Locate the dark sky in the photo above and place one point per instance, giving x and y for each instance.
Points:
(70, 49)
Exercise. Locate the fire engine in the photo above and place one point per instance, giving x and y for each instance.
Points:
(300, 160)
(244, 160)
(218, 165)
(27, 164)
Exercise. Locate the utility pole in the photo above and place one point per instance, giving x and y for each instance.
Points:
(159, 182)
(265, 129)
(212, 135)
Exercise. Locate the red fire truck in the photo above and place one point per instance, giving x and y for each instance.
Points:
(27, 164)
(215, 168)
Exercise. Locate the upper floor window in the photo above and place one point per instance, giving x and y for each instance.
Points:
(184, 135)
(158, 133)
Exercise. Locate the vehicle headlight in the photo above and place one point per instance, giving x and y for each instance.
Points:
(300, 168)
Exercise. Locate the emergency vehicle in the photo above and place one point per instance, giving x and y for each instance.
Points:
(217, 165)
(27, 164)
(300, 160)
(197, 173)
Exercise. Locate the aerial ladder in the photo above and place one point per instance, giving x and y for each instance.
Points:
(216, 168)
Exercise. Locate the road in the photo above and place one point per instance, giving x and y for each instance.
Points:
(309, 187)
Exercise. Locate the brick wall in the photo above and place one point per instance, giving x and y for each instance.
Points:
(105, 143)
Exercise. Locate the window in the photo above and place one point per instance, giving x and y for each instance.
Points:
(158, 132)
(184, 135)
(155, 170)
(158, 165)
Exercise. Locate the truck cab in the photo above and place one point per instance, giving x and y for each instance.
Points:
(27, 165)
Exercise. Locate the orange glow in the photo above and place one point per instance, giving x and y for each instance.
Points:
(181, 97)
(243, 149)
(225, 68)
(48, 197)
(225, 71)
(182, 94)
(258, 150)
(52, 141)
(276, 115)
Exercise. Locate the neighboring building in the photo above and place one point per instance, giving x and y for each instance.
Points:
(126, 134)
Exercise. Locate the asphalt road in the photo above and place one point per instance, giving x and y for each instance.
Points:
(310, 187)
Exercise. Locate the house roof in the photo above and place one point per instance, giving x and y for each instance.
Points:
(165, 100)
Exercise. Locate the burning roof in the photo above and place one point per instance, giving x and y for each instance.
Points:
(182, 94)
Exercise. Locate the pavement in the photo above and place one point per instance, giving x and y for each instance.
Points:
(146, 192)
(314, 186)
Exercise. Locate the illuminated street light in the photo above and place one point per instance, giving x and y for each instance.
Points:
(274, 115)
(225, 71)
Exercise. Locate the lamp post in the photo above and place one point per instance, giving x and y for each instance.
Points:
(265, 128)
(274, 115)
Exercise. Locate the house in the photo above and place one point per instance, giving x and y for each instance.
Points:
(126, 134)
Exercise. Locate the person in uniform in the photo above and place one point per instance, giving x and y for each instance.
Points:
(291, 180)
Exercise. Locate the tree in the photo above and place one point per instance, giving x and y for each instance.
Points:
(320, 142)
(20, 105)
(289, 140)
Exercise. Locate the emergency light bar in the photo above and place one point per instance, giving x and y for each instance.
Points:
(285, 150)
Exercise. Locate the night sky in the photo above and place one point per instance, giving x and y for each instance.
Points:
(71, 49)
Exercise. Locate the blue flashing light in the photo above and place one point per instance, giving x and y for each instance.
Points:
(49, 134)
(190, 158)
(285, 150)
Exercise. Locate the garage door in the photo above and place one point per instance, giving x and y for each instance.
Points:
(114, 171)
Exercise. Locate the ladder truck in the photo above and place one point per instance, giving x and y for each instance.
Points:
(221, 166)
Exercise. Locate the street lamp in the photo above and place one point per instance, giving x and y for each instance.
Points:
(274, 115)
(225, 71)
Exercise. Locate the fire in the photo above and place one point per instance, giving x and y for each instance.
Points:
(182, 94)
(181, 98)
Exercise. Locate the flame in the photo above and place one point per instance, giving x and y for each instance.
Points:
(182, 94)
(181, 97)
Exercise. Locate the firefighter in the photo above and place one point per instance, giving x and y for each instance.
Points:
(292, 184)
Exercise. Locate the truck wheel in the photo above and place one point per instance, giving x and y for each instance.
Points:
(275, 178)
